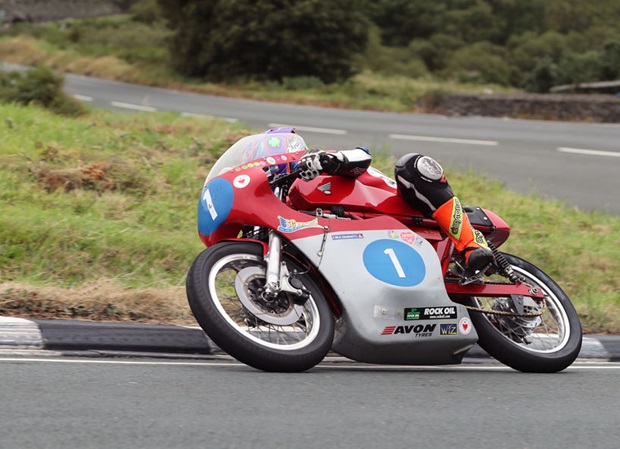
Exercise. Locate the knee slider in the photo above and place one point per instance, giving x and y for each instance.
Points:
(429, 169)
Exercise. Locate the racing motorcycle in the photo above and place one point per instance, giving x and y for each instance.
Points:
(294, 269)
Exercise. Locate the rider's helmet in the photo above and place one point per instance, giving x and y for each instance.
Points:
(272, 142)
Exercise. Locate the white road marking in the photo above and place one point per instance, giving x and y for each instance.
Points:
(443, 139)
(311, 129)
(135, 107)
(193, 114)
(588, 152)
(82, 97)
(579, 365)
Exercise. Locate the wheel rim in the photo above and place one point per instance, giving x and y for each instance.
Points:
(550, 335)
(222, 290)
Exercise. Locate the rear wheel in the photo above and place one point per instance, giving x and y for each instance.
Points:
(286, 333)
(518, 335)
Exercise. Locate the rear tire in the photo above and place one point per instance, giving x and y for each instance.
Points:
(554, 340)
(214, 290)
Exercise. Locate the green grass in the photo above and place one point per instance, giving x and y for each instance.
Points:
(98, 219)
(97, 215)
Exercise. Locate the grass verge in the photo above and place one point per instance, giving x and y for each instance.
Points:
(97, 219)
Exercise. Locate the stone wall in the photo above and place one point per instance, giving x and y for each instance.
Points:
(49, 10)
(578, 107)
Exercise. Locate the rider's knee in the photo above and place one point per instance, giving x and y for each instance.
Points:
(421, 182)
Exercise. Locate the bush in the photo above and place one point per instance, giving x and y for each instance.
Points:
(146, 11)
(41, 87)
(543, 77)
(482, 62)
(261, 39)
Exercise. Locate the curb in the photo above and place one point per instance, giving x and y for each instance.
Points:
(68, 336)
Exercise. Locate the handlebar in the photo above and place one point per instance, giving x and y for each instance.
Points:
(285, 179)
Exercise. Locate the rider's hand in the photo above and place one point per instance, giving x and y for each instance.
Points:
(310, 165)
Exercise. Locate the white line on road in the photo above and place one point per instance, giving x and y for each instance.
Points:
(82, 97)
(588, 152)
(443, 139)
(309, 129)
(135, 107)
(585, 365)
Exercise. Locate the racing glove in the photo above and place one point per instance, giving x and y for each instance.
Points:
(313, 164)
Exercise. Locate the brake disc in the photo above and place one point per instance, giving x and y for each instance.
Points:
(257, 305)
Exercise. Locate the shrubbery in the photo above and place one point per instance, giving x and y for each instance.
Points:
(41, 87)
(266, 40)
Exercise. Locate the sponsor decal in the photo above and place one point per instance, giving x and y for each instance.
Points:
(290, 225)
(325, 188)
(412, 314)
(241, 181)
(465, 326)
(457, 219)
(419, 330)
(408, 236)
(448, 329)
(270, 160)
(357, 235)
(430, 313)
(393, 234)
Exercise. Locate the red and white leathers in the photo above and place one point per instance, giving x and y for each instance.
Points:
(422, 183)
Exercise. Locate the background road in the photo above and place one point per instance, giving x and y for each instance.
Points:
(578, 163)
(53, 402)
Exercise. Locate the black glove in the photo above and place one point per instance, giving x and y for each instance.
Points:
(313, 164)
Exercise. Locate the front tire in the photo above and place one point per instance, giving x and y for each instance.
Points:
(224, 292)
(546, 344)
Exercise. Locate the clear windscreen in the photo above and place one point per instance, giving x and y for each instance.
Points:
(257, 146)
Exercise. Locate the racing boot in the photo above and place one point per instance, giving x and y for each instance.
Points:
(453, 220)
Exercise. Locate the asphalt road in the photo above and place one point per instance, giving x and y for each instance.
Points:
(50, 402)
(577, 163)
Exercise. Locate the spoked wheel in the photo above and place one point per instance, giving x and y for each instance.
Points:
(517, 334)
(225, 289)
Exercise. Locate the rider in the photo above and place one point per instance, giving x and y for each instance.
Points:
(423, 185)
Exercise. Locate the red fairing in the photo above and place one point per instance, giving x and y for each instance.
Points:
(373, 194)
(368, 193)
(501, 230)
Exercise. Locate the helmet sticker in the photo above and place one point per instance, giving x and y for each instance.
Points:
(274, 142)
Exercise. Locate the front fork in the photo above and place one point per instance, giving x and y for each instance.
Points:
(277, 277)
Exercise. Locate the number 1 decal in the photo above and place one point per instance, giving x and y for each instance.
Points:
(210, 206)
(399, 269)
(406, 267)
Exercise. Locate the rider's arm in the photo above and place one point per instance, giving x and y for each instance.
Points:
(351, 163)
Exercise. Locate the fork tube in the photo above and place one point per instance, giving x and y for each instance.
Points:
(273, 264)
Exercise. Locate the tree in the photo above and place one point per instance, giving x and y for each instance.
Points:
(266, 39)
(543, 77)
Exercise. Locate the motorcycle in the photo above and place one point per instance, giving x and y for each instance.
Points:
(294, 269)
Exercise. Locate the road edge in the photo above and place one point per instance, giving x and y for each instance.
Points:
(70, 336)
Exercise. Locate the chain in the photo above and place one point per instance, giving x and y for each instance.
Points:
(501, 312)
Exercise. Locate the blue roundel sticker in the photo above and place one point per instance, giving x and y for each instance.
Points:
(394, 262)
(214, 206)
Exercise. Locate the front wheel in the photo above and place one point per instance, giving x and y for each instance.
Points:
(516, 334)
(225, 293)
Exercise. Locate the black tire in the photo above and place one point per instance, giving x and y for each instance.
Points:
(554, 343)
(293, 347)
